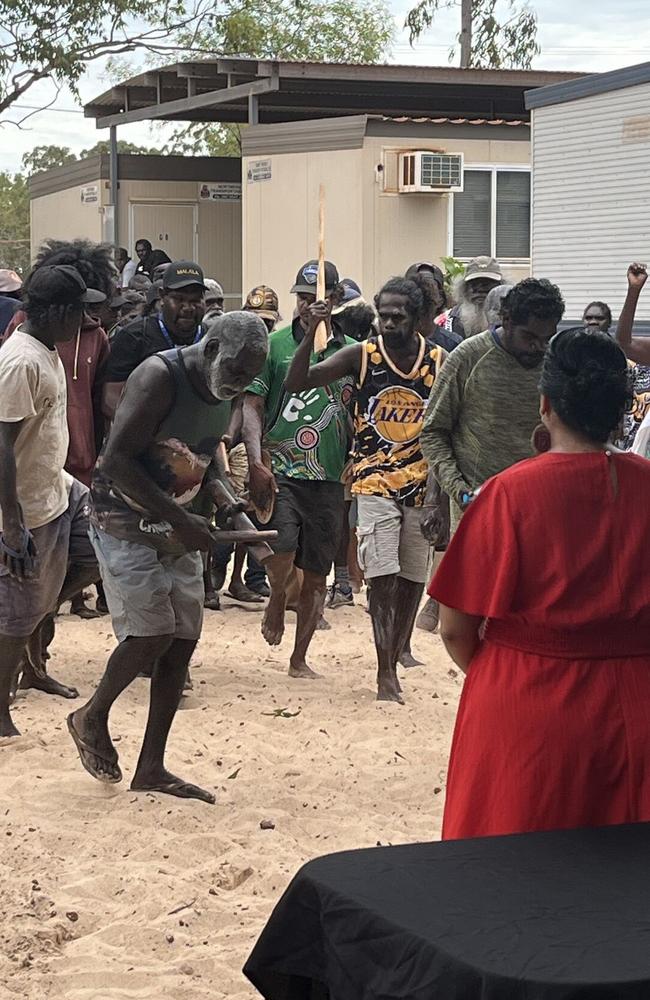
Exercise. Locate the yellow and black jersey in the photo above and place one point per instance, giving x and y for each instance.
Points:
(388, 413)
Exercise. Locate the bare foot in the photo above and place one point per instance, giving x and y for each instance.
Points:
(239, 592)
(94, 746)
(273, 622)
(300, 669)
(161, 780)
(406, 659)
(389, 690)
(7, 727)
(211, 601)
(46, 683)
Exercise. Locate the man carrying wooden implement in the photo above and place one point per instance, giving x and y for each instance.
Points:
(160, 452)
(393, 374)
(307, 436)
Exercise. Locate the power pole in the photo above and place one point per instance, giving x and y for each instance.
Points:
(466, 34)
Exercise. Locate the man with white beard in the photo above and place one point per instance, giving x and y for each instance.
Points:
(467, 318)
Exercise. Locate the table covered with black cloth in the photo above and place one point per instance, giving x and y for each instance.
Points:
(543, 916)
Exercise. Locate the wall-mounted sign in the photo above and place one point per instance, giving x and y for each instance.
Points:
(90, 194)
(220, 191)
(259, 170)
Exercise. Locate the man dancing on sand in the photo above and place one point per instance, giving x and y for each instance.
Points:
(160, 452)
(393, 376)
(306, 435)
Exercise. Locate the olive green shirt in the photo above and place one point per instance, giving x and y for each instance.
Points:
(483, 409)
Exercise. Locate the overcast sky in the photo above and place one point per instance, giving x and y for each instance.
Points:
(594, 37)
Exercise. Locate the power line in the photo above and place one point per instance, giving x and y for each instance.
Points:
(57, 111)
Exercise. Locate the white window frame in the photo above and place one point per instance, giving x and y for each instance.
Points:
(494, 169)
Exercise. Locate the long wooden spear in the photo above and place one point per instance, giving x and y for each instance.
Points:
(320, 339)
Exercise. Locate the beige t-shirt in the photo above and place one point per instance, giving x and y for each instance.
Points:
(33, 389)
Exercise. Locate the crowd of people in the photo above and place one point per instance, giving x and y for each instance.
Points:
(149, 439)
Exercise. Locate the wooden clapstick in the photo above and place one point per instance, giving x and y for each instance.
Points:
(320, 339)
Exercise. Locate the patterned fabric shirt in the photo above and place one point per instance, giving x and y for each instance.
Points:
(640, 381)
(388, 408)
(306, 432)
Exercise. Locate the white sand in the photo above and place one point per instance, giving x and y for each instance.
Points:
(90, 875)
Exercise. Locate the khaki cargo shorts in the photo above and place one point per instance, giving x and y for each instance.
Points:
(390, 540)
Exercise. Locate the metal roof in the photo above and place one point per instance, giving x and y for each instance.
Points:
(135, 167)
(218, 89)
(588, 86)
(350, 131)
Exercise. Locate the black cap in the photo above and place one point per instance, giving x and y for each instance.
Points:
(415, 269)
(307, 278)
(182, 274)
(61, 284)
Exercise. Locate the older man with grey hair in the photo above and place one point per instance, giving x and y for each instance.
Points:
(161, 451)
(470, 290)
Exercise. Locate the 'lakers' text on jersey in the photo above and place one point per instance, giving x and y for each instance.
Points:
(388, 411)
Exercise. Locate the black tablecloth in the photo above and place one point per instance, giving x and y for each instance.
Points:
(545, 916)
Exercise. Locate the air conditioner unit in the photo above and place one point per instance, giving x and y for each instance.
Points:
(424, 172)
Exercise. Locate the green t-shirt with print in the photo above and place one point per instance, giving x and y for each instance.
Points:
(306, 432)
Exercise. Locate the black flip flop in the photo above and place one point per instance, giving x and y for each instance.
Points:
(179, 788)
(85, 748)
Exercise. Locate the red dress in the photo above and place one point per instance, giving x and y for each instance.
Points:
(553, 728)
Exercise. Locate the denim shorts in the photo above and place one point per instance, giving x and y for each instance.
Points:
(150, 593)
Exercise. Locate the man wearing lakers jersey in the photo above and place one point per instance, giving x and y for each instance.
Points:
(393, 372)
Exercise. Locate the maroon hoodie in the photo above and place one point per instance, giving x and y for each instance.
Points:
(84, 360)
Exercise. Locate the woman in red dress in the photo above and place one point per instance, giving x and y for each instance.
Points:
(545, 605)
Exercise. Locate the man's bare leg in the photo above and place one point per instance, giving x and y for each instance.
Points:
(310, 609)
(408, 602)
(293, 588)
(237, 589)
(278, 568)
(384, 613)
(34, 671)
(166, 690)
(33, 667)
(89, 724)
(11, 654)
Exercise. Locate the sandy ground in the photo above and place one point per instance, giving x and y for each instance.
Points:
(111, 895)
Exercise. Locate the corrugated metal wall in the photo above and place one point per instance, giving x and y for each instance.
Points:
(591, 196)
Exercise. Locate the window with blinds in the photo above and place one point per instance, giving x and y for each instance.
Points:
(513, 214)
(492, 215)
(473, 215)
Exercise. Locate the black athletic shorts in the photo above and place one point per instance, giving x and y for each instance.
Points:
(308, 518)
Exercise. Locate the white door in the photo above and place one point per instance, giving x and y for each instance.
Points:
(169, 226)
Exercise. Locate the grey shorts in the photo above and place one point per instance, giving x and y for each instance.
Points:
(390, 540)
(147, 592)
(64, 541)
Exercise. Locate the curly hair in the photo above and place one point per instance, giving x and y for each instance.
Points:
(411, 290)
(586, 379)
(535, 297)
(93, 261)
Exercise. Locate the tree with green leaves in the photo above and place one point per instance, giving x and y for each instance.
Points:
(14, 222)
(55, 40)
(354, 31)
(492, 35)
(42, 158)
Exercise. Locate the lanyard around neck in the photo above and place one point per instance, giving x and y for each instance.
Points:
(166, 334)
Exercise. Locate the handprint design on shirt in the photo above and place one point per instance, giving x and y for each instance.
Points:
(297, 404)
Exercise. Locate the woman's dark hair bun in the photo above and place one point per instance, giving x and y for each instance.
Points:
(585, 377)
